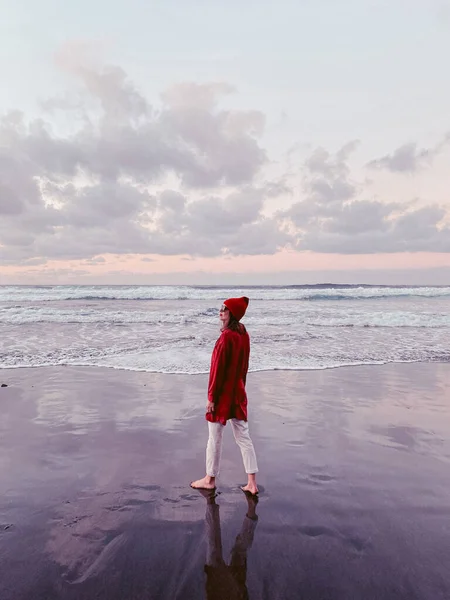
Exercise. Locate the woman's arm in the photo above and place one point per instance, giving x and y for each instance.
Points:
(246, 358)
(218, 369)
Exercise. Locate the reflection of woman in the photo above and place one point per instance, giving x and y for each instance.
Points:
(228, 582)
(227, 398)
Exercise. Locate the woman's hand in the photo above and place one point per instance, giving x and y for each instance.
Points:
(210, 407)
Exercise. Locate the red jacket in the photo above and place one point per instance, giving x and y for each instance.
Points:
(227, 377)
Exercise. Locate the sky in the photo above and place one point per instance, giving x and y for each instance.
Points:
(198, 141)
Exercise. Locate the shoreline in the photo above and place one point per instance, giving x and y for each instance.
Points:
(250, 372)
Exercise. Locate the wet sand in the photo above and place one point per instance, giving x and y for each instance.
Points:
(95, 501)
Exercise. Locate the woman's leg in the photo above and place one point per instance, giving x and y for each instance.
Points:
(214, 449)
(243, 440)
(213, 455)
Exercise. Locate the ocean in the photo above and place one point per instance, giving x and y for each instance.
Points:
(172, 329)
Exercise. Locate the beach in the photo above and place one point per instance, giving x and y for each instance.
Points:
(354, 485)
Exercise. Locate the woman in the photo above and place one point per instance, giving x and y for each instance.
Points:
(227, 398)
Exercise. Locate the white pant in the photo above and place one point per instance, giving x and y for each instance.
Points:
(243, 440)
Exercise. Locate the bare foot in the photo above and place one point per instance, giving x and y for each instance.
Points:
(207, 483)
(251, 488)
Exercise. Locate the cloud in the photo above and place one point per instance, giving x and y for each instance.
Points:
(182, 176)
(80, 194)
(96, 260)
(215, 225)
(328, 176)
(335, 217)
(327, 184)
(409, 158)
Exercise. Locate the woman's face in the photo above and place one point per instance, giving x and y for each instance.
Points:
(224, 316)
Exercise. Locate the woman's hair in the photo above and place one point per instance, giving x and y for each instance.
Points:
(234, 324)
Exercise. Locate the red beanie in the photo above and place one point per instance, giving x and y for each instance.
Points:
(237, 306)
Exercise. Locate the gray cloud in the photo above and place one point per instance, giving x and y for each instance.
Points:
(82, 194)
(409, 158)
(96, 260)
(10, 203)
(328, 177)
(118, 96)
(230, 225)
(85, 193)
(335, 217)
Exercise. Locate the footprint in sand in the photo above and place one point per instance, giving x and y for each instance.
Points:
(315, 479)
(317, 530)
(146, 488)
(319, 477)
